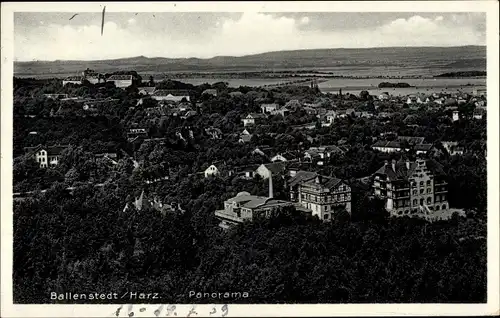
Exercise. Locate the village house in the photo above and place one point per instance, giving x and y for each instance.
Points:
(245, 138)
(283, 157)
(236, 94)
(384, 96)
(416, 188)
(143, 202)
(321, 154)
(77, 80)
(137, 132)
(345, 113)
(55, 96)
(324, 196)
(455, 116)
(386, 114)
(46, 156)
(411, 99)
(210, 91)
(171, 95)
(269, 108)
(247, 172)
(121, 81)
(214, 133)
(439, 101)
(330, 116)
(262, 151)
(211, 171)
(268, 169)
(246, 207)
(453, 148)
(479, 91)
(293, 104)
(253, 119)
(396, 145)
(145, 91)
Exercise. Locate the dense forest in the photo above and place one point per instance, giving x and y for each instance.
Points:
(84, 238)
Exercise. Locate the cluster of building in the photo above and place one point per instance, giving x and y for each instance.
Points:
(93, 77)
(311, 193)
(409, 188)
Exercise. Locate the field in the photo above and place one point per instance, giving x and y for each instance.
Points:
(391, 62)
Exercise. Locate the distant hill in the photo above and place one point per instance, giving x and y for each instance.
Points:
(439, 58)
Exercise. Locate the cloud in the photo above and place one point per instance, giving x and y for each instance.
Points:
(246, 34)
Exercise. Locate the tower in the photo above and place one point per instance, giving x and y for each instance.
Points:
(271, 194)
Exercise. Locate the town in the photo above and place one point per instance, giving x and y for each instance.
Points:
(212, 160)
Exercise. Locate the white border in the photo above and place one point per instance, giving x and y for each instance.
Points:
(491, 308)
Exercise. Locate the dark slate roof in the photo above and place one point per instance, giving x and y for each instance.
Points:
(302, 176)
(275, 167)
(423, 147)
(173, 92)
(120, 77)
(403, 173)
(415, 140)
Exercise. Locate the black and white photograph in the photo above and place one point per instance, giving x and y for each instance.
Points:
(162, 156)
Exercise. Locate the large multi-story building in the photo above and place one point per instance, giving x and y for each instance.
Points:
(322, 195)
(416, 188)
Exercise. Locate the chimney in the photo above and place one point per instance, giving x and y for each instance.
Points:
(271, 194)
(394, 165)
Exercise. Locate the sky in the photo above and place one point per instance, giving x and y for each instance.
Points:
(53, 36)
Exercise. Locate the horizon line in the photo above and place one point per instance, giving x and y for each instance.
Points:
(250, 54)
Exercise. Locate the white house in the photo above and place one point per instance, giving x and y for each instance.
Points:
(411, 99)
(252, 119)
(384, 96)
(170, 95)
(269, 108)
(121, 81)
(211, 171)
(330, 116)
(268, 169)
(46, 156)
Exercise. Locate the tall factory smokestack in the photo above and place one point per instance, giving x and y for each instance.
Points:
(271, 194)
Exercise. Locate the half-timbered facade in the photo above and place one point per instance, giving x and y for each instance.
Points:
(324, 196)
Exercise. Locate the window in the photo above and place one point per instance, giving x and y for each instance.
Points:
(421, 191)
(428, 190)
(400, 212)
(428, 183)
(437, 207)
(326, 207)
(421, 201)
(444, 206)
(325, 216)
(428, 200)
(421, 183)
(415, 202)
(415, 192)
(413, 184)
